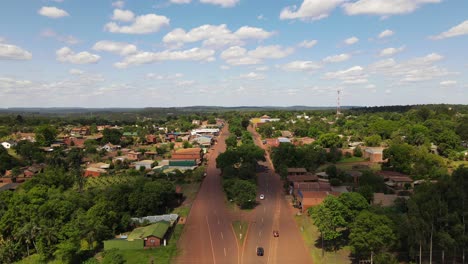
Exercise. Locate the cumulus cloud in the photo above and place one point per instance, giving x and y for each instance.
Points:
(337, 58)
(240, 56)
(120, 48)
(222, 3)
(155, 76)
(215, 36)
(308, 43)
(194, 54)
(310, 10)
(12, 52)
(65, 54)
(391, 51)
(413, 70)
(458, 30)
(143, 24)
(384, 7)
(75, 72)
(448, 83)
(386, 33)
(68, 39)
(252, 76)
(118, 4)
(353, 75)
(52, 12)
(123, 15)
(305, 66)
(351, 41)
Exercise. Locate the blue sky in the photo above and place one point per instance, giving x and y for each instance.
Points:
(160, 53)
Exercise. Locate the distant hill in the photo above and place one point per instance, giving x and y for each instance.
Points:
(80, 110)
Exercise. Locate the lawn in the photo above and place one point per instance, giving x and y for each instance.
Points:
(13, 153)
(310, 234)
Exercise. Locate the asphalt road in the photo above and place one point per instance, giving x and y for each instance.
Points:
(273, 213)
(208, 236)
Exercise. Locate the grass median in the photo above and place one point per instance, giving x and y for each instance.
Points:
(240, 229)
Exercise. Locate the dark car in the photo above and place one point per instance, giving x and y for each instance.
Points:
(276, 233)
(260, 251)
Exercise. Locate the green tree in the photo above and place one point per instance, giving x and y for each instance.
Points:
(357, 152)
(371, 233)
(112, 257)
(111, 135)
(329, 218)
(399, 157)
(354, 204)
(231, 141)
(329, 140)
(373, 141)
(45, 135)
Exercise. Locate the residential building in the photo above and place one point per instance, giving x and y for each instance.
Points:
(374, 154)
(147, 164)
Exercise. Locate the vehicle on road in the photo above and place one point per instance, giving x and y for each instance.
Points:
(262, 196)
(275, 233)
(260, 251)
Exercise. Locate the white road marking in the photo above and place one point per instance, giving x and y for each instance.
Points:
(264, 209)
(224, 251)
(222, 235)
(260, 233)
(262, 219)
(211, 240)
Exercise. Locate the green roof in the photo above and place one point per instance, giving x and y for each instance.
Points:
(158, 230)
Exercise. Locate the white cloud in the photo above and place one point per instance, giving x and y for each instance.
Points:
(351, 41)
(222, 3)
(458, 30)
(353, 75)
(12, 52)
(224, 67)
(155, 76)
(262, 68)
(391, 51)
(247, 32)
(194, 54)
(215, 36)
(123, 15)
(308, 43)
(143, 24)
(310, 10)
(239, 56)
(386, 33)
(384, 7)
(252, 76)
(70, 40)
(75, 72)
(413, 70)
(180, 1)
(301, 66)
(52, 12)
(184, 83)
(65, 54)
(261, 17)
(121, 48)
(337, 58)
(271, 52)
(118, 4)
(448, 83)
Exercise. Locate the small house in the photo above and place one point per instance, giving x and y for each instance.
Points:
(147, 164)
(374, 154)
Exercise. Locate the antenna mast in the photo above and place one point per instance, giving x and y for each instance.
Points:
(338, 107)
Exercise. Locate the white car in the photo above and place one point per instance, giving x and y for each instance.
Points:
(262, 196)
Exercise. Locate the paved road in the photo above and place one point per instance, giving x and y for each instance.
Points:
(208, 236)
(273, 213)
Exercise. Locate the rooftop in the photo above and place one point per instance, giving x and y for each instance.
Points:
(158, 229)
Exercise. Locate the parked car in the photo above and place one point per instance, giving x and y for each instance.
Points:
(275, 233)
(262, 196)
(260, 251)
